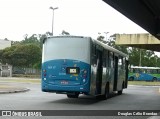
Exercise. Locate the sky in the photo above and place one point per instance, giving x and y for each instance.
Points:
(78, 17)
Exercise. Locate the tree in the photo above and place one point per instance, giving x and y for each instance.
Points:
(22, 55)
(1, 52)
(111, 42)
(7, 54)
(29, 53)
(148, 58)
(100, 38)
(136, 56)
(65, 33)
(31, 40)
(48, 33)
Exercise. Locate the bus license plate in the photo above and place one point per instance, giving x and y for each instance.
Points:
(64, 82)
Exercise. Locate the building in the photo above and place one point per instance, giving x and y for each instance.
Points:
(5, 69)
(4, 43)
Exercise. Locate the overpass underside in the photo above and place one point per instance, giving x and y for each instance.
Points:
(144, 41)
(145, 13)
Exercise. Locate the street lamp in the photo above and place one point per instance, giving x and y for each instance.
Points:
(106, 35)
(53, 16)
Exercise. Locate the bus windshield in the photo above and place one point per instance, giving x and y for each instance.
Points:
(70, 48)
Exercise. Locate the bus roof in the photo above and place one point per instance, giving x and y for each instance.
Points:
(65, 36)
(105, 46)
(140, 67)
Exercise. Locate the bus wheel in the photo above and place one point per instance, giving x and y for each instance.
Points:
(154, 79)
(120, 92)
(131, 79)
(73, 95)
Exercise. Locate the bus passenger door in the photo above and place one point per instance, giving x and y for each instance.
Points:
(126, 75)
(99, 72)
(115, 73)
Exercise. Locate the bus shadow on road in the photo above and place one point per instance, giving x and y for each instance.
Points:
(82, 100)
(85, 100)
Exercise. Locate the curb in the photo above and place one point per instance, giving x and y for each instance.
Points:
(145, 85)
(15, 91)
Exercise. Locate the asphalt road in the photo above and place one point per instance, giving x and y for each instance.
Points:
(133, 98)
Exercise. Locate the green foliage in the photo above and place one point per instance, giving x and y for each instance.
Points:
(100, 38)
(136, 56)
(148, 58)
(25, 53)
(65, 32)
(144, 83)
(31, 40)
(7, 54)
(22, 55)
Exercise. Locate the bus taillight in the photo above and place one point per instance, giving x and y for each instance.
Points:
(84, 75)
(44, 72)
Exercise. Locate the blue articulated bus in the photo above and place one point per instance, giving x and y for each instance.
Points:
(141, 73)
(76, 65)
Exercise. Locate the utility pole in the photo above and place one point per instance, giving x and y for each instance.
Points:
(53, 17)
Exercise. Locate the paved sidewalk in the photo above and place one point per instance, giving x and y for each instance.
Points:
(7, 85)
(8, 88)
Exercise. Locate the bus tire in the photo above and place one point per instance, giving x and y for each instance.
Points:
(73, 95)
(120, 91)
(154, 79)
(131, 79)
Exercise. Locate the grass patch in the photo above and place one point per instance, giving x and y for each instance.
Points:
(144, 83)
(23, 80)
(5, 86)
(27, 81)
(26, 75)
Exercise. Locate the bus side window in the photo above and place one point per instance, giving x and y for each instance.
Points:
(120, 62)
(124, 63)
(104, 59)
(144, 71)
(111, 63)
(94, 58)
(137, 71)
(134, 71)
(154, 71)
(107, 58)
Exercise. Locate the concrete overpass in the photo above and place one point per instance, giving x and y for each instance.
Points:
(145, 13)
(144, 41)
